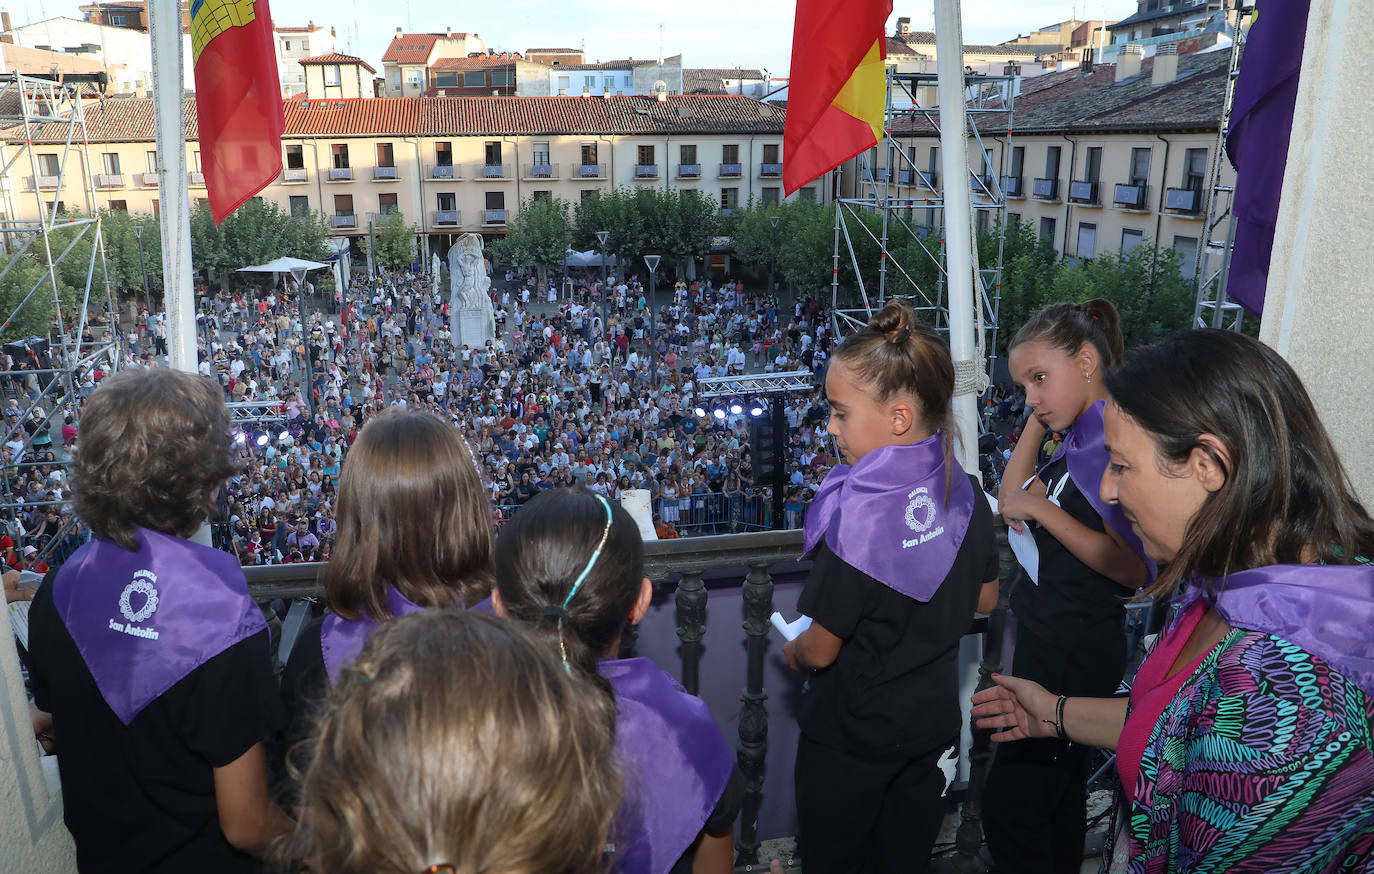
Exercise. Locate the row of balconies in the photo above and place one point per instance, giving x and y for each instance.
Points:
(528, 172)
(1128, 196)
(438, 218)
(108, 181)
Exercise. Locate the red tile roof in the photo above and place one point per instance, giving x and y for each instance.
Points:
(410, 48)
(478, 62)
(336, 58)
(131, 119)
(1072, 101)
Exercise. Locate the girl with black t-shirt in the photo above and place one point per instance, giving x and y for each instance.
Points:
(904, 553)
(1070, 634)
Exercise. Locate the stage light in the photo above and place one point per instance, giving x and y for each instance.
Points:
(701, 412)
(720, 414)
(756, 411)
(240, 437)
(736, 409)
(262, 439)
(285, 435)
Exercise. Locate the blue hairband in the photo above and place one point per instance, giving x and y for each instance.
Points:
(582, 578)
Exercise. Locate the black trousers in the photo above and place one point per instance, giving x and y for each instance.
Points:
(870, 816)
(1035, 798)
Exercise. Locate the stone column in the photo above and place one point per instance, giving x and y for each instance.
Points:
(1318, 309)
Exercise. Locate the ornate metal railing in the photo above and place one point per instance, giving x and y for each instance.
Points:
(681, 567)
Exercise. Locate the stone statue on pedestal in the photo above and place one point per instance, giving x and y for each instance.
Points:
(470, 314)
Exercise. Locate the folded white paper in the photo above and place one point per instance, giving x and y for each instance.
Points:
(1022, 544)
(790, 630)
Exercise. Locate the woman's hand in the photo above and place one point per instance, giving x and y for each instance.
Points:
(1020, 708)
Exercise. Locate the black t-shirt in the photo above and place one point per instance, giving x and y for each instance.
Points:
(141, 797)
(893, 690)
(1072, 604)
(304, 684)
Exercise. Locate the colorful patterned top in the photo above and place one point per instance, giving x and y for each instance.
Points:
(1261, 763)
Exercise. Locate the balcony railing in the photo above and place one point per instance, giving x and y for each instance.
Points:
(442, 171)
(539, 170)
(1011, 186)
(646, 171)
(929, 178)
(41, 182)
(295, 174)
(377, 218)
(770, 170)
(906, 177)
(1130, 196)
(196, 178)
(707, 584)
(731, 171)
(446, 217)
(494, 171)
(985, 186)
(383, 174)
(1083, 191)
(729, 211)
(1046, 189)
(1187, 200)
(149, 180)
(345, 220)
(689, 171)
(591, 171)
(493, 216)
(109, 180)
(340, 174)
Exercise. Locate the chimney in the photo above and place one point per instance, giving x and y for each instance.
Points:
(448, 31)
(586, 91)
(398, 31)
(5, 21)
(1166, 65)
(1128, 61)
(1085, 63)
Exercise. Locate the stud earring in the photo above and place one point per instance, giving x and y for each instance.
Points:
(1088, 377)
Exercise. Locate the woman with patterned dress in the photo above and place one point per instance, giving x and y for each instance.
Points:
(1245, 743)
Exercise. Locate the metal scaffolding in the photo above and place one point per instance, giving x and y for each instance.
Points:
(1213, 309)
(896, 223)
(44, 377)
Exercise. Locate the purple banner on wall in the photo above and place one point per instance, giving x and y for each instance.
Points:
(1261, 122)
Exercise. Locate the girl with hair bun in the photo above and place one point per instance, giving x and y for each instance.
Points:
(571, 564)
(1070, 619)
(903, 552)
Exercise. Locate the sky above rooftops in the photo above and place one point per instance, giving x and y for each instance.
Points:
(707, 33)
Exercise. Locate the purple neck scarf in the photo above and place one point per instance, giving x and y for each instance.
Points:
(1086, 448)
(676, 764)
(874, 513)
(144, 620)
(342, 639)
(1324, 609)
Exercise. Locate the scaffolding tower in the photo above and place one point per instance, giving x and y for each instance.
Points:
(39, 112)
(984, 95)
(1213, 309)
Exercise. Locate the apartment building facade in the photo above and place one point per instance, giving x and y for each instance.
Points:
(407, 61)
(1095, 162)
(450, 165)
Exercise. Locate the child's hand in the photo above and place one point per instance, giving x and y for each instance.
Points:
(1018, 506)
(789, 652)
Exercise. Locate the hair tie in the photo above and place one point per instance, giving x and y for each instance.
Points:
(554, 611)
(906, 335)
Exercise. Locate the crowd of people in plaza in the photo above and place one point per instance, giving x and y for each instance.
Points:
(583, 388)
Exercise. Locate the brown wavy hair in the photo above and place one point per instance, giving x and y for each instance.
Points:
(411, 513)
(155, 446)
(1068, 327)
(895, 354)
(456, 739)
(1286, 498)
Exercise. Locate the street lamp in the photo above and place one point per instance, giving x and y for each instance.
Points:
(147, 296)
(601, 238)
(772, 251)
(652, 262)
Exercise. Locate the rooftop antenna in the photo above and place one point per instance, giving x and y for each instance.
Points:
(660, 43)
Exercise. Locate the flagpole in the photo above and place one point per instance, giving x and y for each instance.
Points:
(164, 29)
(949, 58)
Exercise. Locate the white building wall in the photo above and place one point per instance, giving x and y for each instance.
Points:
(115, 47)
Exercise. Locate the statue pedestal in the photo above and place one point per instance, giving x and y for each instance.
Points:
(473, 327)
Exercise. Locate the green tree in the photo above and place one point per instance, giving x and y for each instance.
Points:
(1153, 298)
(1029, 271)
(535, 236)
(395, 241)
(257, 232)
(26, 297)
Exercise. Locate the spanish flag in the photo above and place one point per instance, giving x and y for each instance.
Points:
(836, 89)
(238, 100)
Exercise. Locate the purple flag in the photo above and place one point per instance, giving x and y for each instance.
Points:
(873, 514)
(1324, 609)
(342, 639)
(676, 764)
(1086, 448)
(144, 620)
(1261, 122)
